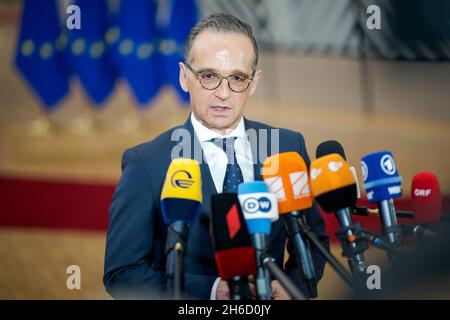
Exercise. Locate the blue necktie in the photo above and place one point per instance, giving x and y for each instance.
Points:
(233, 173)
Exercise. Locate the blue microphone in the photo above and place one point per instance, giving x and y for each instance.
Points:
(260, 208)
(382, 184)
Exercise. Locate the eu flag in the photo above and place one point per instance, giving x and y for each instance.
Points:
(39, 52)
(135, 48)
(87, 51)
(175, 20)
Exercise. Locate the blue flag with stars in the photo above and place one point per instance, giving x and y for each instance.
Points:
(39, 55)
(135, 48)
(87, 51)
(175, 20)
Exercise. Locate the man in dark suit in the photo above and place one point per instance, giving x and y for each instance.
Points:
(220, 74)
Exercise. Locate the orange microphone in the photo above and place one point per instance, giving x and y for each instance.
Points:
(286, 175)
(333, 183)
(334, 187)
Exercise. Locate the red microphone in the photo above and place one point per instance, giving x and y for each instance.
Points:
(427, 204)
(426, 198)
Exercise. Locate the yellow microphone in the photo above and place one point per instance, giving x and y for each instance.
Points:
(181, 195)
(181, 201)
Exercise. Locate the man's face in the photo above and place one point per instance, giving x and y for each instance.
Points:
(224, 54)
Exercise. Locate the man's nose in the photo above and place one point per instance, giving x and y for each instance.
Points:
(223, 90)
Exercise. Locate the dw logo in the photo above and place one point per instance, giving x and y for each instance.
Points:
(252, 205)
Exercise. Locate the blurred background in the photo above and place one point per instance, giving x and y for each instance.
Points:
(71, 101)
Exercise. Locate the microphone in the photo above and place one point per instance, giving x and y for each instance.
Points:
(333, 146)
(382, 184)
(334, 188)
(426, 197)
(260, 209)
(181, 199)
(286, 175)
(234, 254)
(427, 204)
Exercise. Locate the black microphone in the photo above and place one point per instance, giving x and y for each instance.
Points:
(234, 254)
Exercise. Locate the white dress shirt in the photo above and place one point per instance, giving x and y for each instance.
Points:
(217, 159)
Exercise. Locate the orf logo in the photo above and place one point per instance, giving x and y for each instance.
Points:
(387, 164)
(252, 205)
(181, 179)
(422, 192)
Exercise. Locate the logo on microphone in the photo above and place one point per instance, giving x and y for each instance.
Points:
(181, 179)
(364, 170)
(422, 192)
(300, 185)
(334, 166)
(387, 164)
(233, 221)
(276, 186)
(315, 172)
(253, 205)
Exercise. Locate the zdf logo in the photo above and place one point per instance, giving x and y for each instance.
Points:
(253, 205)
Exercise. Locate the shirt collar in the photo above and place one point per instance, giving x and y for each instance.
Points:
(205, 134)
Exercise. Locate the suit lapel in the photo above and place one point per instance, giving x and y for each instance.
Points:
(258, 159)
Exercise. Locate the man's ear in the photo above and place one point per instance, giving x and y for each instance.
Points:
(183, 77)
(255, 81)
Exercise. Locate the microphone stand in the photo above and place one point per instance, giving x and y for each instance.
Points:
(239, 289)
(378, 242)
(262, 277)
(335, 264)
(302, 254)
(353, 247)
(285, 282)
(177, 235)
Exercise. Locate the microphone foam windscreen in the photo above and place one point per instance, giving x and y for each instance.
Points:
(181, 195)
(426, 197)
(234, 253)
(259, 206)
(380, 175)
(329, 147)
(333, 183)
(286, 174)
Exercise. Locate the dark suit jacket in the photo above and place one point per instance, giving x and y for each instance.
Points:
(135, 259)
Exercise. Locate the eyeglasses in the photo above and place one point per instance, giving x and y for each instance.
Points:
(209, 80)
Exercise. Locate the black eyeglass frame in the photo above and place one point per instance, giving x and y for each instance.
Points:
(199, 77)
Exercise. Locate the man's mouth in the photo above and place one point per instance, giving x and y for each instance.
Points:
(220, 109)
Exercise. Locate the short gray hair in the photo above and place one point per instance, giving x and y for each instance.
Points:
(221, 22)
